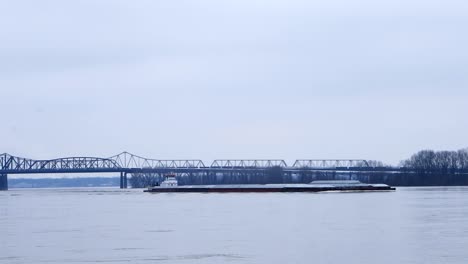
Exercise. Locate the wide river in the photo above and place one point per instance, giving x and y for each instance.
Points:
(411, 225)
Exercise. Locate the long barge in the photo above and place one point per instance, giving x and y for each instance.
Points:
(170, 186)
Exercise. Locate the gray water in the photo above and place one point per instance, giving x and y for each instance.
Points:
(411, 225)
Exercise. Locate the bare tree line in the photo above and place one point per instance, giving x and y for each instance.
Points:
(428, 161)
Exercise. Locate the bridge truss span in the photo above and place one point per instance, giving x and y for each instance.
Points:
(12, 164)
(249, 163)
(128, 160)
(330, 163)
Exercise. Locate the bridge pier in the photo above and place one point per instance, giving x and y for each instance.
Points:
(123, 180)
(3, 182)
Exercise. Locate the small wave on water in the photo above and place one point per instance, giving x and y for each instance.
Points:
(48, 231)
(128, 248)
(152, 259)
(11, 258)
(203, 256)
(193, 257)
(160, 231)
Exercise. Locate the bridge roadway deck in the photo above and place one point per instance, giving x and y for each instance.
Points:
(192, 170)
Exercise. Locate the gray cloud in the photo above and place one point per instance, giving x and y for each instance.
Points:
(210, 79)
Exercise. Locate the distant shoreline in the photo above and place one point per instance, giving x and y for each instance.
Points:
(103, 182)
(63, 182)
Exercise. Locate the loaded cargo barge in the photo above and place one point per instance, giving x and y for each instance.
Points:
(170, 185)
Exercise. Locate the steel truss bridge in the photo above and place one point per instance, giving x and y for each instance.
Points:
(127, 163)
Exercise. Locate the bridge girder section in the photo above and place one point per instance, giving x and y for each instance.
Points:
(330, 163)
(12, 163)
(248, 163)
(128, 160)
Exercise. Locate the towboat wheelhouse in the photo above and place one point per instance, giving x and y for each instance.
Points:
(169, 181)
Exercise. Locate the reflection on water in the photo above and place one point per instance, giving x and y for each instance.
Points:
(411, 225)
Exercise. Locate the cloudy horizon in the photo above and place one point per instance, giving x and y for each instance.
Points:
(233, 79)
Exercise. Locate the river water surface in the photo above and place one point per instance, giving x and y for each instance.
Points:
(411, 225)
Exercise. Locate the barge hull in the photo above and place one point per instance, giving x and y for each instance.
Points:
(267, 189)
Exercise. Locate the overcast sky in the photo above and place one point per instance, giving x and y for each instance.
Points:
(233, 79)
